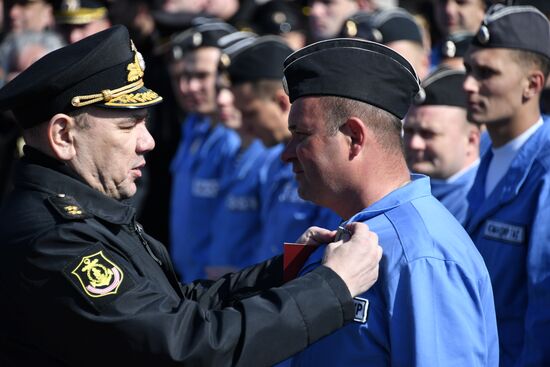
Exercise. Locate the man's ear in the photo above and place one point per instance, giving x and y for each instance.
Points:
(357, 133)
(282, 100)
(61, 130)
(535, 84)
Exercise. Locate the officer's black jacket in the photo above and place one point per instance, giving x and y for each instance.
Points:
(54, 225)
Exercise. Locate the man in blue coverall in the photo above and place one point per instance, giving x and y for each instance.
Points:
(433, 303)
(507, 67)
(440, 142)
(256, 72)
(205, 151)
(236, 227)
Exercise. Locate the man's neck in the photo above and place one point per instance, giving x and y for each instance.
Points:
(504, 131)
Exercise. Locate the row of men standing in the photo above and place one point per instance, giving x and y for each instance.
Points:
(506, 69)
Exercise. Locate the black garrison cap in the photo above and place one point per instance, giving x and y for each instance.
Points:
(352, 68)
(383, 26)
(261, 60)
(542, 5)
(277, 17)
(205, 33)
(456, 44)
(78, 11)
(515, 27)
(443, 87)
(231, 44)
(103, 70)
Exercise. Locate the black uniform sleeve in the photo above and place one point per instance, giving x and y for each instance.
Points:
(144, 321)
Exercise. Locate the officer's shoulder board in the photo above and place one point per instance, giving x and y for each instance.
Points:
(67, 207)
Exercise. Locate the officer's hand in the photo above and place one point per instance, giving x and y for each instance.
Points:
(355, 261)
(316, 236)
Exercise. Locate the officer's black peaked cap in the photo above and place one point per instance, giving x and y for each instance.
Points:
(515, 27)
(103, 70)
(79, 12)
(352, 68)
(443, 87)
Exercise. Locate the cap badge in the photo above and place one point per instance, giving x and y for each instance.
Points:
(225, 60)
(197, 39)
(351, 28)
(420, 97)
(377, 35)
(70, 5)
(279, 17)
(136, 68)
(483, 35)
(449, 49)
(98, 275)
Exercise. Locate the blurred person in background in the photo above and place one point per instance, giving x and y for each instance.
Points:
(236, 227)
(256, 72)
(29, 15)
(440, 142)
(76, 20)
(326, 17)
(23, 50)
(455, 17)
(281, 18)
(206, 147)
(395, 28)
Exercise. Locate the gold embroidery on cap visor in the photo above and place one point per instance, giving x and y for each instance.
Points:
(98, 275)
(124, 96)
(80, 16)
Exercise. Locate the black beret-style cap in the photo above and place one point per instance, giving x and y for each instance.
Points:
(443, 87)
(515, 27)
(352, 68)
(542, 5)
(383, 26)
(78, 11)
(456, 44)
(103, 70)
(231, 44)
(277, 17)
(205, 33)
(261, 60)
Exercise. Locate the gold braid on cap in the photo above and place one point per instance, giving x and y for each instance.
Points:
(135, 74)
(106, 95)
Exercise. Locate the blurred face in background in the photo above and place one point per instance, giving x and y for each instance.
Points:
(194, 80)
(328, 16)
(223, 9)
(454, 16)
(75, 32)
(264, 117)
(188, 6)
(24, 59)
(415, 54)
(439, 141)
(30, 16)
(228, 114)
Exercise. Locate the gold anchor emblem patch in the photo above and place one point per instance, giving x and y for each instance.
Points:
(98, 275)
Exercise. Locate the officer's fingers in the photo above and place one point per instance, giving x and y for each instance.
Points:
(358, 228)
(316, 235)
